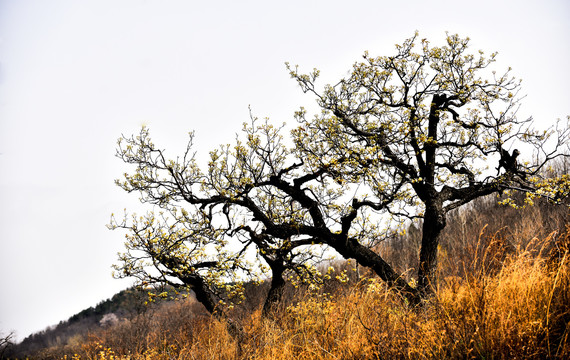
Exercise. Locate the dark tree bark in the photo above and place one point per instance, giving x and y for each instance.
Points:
(434, 223)
(352, 249)
(204, 294)
(275, 294)
(206, 297)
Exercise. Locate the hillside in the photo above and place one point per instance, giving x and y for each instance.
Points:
(503, 292)
(121, 306)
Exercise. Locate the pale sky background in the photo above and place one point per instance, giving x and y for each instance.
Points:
(74, 75)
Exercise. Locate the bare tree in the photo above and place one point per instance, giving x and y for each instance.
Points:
(408, 135)
(429, 122)
(216, 228)
(5, 342)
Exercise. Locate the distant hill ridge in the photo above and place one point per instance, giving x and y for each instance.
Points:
(119, 306)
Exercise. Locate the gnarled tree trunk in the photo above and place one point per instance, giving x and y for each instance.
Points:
(275, 294)
(352, 249)
(434, 223)
(206, 297)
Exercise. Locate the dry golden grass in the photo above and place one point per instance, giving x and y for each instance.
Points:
(508, 305)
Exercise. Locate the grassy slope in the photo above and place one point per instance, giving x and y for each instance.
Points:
(503, 293)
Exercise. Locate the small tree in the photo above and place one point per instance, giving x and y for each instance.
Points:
(431, 125)
(210, 222)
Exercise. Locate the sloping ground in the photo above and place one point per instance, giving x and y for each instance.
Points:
(121, 306)
(503, 290)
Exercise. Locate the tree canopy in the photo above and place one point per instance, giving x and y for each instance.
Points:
(422, 128)
(412, 135)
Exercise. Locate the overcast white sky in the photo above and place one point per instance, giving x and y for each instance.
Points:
(74, 75)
